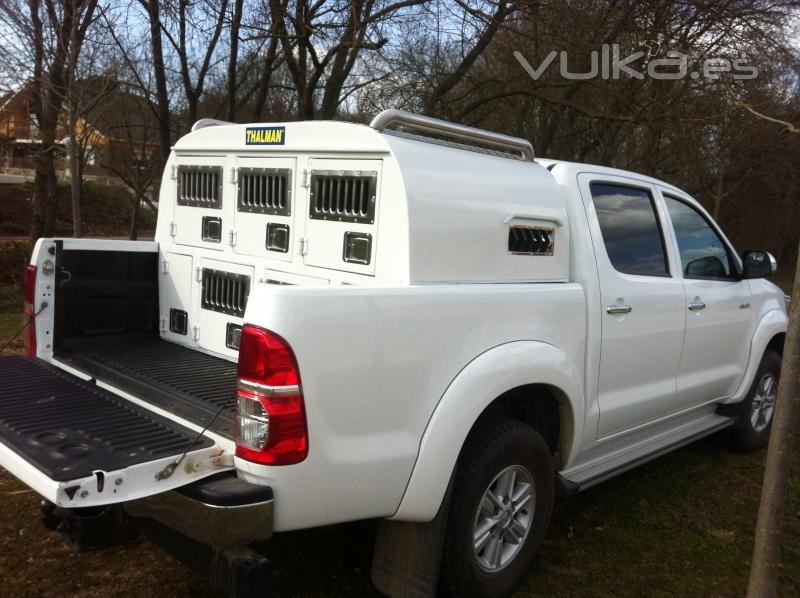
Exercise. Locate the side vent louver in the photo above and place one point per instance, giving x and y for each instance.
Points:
(343, 196)
(265, 191)
(527, 240)
(200, 186)
(225, 292)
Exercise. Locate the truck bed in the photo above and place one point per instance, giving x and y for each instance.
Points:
(192, 385)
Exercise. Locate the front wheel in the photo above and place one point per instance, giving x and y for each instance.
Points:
(501, 507)
(757, 409)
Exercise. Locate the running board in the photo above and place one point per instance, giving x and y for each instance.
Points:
(570, 483)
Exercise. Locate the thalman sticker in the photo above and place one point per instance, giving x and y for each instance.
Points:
(265, 135)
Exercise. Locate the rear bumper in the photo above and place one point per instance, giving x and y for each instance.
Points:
(220, 512)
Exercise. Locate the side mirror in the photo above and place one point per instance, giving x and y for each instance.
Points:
(758, 264)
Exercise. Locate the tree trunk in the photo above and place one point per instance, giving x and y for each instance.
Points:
(75, 173)
(134, 231)
(765, 564)
(45, 189)
(39, 196)
(233, 59)
(160, 75)
(720, 189)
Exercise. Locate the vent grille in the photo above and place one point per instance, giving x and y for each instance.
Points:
(225, 292)
(527, 240)
(347, 196)
(200, 186)
(265, 191)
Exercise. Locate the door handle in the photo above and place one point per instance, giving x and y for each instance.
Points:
(619, 309)
(697, 305)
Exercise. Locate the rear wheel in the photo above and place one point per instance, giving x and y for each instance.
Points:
(758, 408)
(500, 510)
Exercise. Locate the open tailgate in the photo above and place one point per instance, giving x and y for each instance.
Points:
(79, 445)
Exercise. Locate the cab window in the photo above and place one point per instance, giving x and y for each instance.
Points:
(630, 229)
(703, 253)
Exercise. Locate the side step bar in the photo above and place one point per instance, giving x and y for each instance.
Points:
(569, 485)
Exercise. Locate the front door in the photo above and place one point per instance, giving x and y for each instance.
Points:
(642, 304)
(716, 347)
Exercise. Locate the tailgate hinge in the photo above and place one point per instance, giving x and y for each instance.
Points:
(303, 246)
(173, 228)
(211, 463)
(174, 174)
(198, 274)
(233, 174)
(233, 236)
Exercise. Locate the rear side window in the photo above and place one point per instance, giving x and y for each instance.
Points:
(630, 229)
(703, 254)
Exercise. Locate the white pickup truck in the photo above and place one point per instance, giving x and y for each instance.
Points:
(412, 321)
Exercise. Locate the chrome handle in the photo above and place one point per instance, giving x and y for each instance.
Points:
(697, 306)
(619, 309)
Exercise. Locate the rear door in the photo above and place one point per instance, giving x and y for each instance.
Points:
(642, 305)
(265, 208)
(201, 217)
(79, 445)
(342, 214)
(716, 346)
(223, 290)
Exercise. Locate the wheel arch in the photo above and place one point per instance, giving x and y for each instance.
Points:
(770, 333)
(529, 380)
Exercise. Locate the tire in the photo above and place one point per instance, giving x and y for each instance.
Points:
(498, 453)
(756, 412)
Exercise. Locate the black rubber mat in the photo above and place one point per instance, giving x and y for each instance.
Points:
(192, 385)
(68, 428)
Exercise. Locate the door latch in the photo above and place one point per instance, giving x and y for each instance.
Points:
(619, 309)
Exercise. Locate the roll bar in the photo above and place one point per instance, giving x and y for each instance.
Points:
(209, 122)
(426, 124)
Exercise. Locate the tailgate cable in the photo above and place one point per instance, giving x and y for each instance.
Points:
(24, 326)
(171, 467)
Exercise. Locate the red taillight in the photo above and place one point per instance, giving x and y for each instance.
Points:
(270, 414)
(30, 295)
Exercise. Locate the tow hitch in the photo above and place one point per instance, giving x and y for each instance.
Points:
(89, 528)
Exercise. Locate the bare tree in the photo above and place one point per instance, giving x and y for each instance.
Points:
(54, 31)
(322, 42)
(132, 153)
(87, 91)
(491, 21)
(233, 58)
(199, 27)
